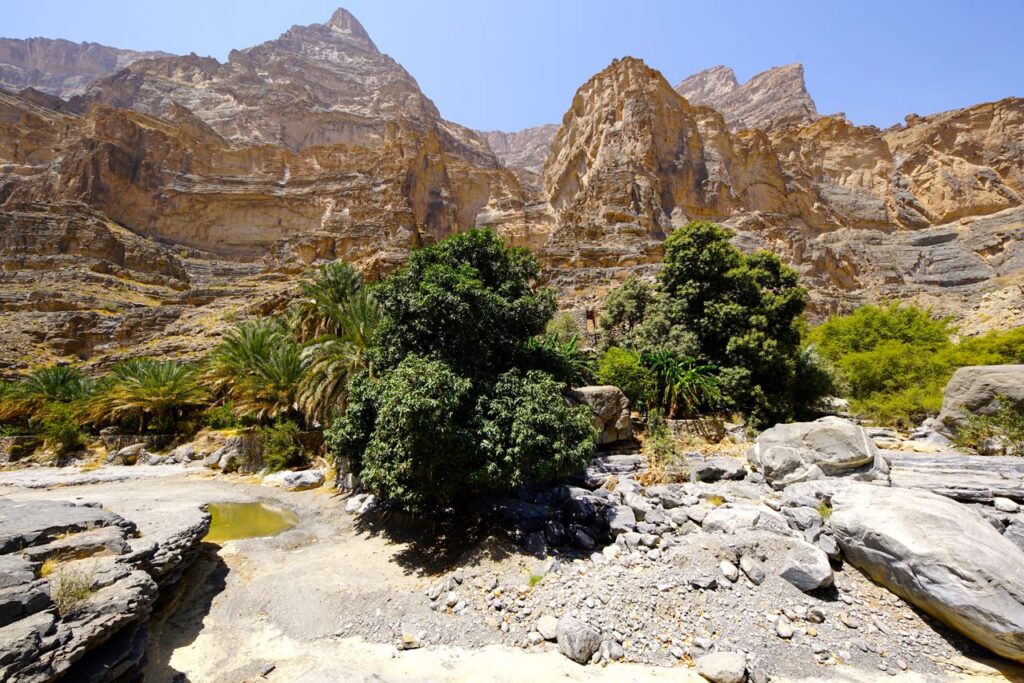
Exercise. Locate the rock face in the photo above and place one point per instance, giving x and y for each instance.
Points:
(778, 95)
(938, 554)
(86, 619)
(525, 149)
(609, 409)
(176, 190)
(975, 390)
(802, 451)
(60, 67)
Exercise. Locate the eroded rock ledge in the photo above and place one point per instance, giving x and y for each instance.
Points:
(78, 583)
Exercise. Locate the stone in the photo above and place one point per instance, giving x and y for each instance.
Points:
(729, 520)
(940, 556)
(783, 628)
(801, 451)
(128, 455)
(729, 571)
(717, 469)
(555, 533)
(752, 570)
(829, 546)
(1005, 505)
(806, 567)
(1015, 534)
(547, 626)
(974, 390)
(723, 667)
(620, 519)
(577, 640)
(609, 409)
(291, 480)
(536, 544)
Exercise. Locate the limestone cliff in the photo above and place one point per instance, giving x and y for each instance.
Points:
(60, 67)
(774, 96)
(524, 149)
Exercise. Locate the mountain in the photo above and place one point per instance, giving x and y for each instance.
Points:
(775, 96)
(322, 84)
(60, 67)
(179, 192)
(526, 149)
(933, 210)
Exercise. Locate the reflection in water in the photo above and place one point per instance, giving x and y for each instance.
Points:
(247, 520)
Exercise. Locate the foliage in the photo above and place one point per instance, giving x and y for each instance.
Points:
(682, 387)
(624, 308)
(623, 368)
(466, 301)
(282, 448)
(737, 314)
(529, 434)
(824, 509)
(420, 450)
(321, 307)
(29, 398)
(70, 588)
(563, 359)
(258, 366)
(894, 361)
(463, 394)
(661, 450)
(60, 429)
(1005, 427)
(563, 328)
(222, 416)
(146, 391)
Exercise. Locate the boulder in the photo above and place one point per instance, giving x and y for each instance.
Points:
(974, 390)
(609, 409)
(939, 555)
(577, 640)
(807, 567)
(716, 469)
(295, 480)
(802, 451)
(723, 667)
(128, 455)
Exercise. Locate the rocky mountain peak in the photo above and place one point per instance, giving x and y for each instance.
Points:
(778, 95)
(343, 23)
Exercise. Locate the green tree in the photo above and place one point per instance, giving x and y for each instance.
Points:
(735, 313)
(29, 398)
(60, 429)
(624, 308)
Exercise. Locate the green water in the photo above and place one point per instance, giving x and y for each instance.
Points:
(232, 521)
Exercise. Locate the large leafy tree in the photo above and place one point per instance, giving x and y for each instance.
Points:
(448, 411)
(29, 398)
(737, 314)
(143, 391)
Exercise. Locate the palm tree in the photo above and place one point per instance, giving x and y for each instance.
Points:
(29, 398)
(322, 304)
(332, 359)
(682, 385)
(258, 365)
(148, 391)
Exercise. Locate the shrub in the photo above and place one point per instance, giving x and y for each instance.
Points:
(222, 417)
(1005, 428)
(564, 360)
(60, 429)
(623, 309)
(661, 450)
(71, 587)
(563, 328)
(282, 448)
(420, 452)
(530, 434)
(623, 368)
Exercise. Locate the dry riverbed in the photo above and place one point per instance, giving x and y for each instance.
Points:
(328, 599)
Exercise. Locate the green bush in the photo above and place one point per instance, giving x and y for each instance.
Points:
(222, 417)
(530, 434)
(623, 368)
(894, 361)
(60, 429)
(282, 448)
(714, 305)
(1005, 427)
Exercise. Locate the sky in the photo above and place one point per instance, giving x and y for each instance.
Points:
(507, 65)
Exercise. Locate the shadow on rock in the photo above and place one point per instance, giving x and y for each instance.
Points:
(179, 615)
(434, 544)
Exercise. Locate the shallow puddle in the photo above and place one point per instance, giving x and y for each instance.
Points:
(232, 521)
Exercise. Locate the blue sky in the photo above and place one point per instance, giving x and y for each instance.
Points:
(508, 65)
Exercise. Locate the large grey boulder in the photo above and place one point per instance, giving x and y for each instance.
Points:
(723, 667)
(128, 455)
(609, 409)
(802, 451)
(974, 390)
(807, 567)
(577, 640)
(295, 481)
(938, 554)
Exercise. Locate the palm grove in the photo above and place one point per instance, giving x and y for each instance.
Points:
(448, 378)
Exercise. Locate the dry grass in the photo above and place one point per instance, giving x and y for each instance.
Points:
(716, 500)
(47, 568)
(70, 587)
